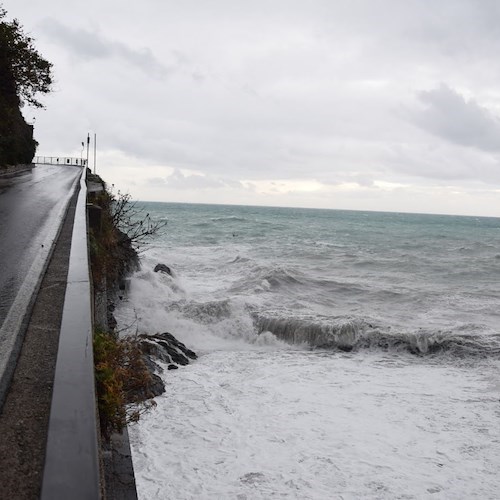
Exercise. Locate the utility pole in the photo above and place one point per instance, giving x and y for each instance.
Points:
(95, 146)
(88, 145)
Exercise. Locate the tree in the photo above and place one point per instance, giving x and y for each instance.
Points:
(129, 218)
(24, 74)
(23, 69)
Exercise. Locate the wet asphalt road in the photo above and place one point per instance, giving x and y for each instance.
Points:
(31, 209)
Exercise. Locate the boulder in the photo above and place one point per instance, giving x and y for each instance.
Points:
(165, 347)
(162, 268)
(157, 386)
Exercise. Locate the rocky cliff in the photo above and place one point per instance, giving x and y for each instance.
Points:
(17, 145)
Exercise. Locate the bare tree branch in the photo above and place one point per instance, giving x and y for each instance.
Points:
(132, 220)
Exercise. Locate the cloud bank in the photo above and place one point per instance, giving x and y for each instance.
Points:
(342, 104)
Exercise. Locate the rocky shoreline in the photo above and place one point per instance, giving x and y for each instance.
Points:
(163, 347)
(160, 351)
(166, 348)
(128, 367)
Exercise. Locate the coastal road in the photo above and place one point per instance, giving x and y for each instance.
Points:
(32, 207)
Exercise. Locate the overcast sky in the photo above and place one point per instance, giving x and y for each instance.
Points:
(375, 104)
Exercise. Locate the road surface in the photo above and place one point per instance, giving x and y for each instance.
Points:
(32, 206)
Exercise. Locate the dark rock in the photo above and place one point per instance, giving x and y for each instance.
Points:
(151, 348)
(154, 387)
(170, 339)
(162, 268)
(126, 257)
(172, 367)
(167, 348)
(157, 386)
(110, 317)
(345, 347)
(94, 213)
(151, 365)
(190, 354)
(175, 355)
(111, 320)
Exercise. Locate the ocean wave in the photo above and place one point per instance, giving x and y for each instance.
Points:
(341, 287)
(232, 318)
(341, 335)
(355, 335)
(206, 312)
(433, 343)
(366, 262)
(258, 278)
(281, 276)
(229, 218)
(476, 246)
(239, 260)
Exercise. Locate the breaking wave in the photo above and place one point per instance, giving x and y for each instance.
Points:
(237, 318)
(356, 335)
(229, 218)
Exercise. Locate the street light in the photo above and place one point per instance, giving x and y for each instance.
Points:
(88, 144)
(81, 154)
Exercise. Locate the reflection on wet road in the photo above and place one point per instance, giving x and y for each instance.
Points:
(32, 205)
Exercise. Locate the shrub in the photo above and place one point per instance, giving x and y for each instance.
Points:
(122, 381)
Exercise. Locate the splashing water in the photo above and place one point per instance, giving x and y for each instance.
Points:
(342, 355)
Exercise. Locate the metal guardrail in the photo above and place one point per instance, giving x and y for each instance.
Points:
(60, 160)
(72, 459)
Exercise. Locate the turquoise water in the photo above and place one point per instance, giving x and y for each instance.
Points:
(342, 279)
(341, 355)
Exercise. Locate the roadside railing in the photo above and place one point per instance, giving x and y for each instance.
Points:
(72, 460)
(60, 160)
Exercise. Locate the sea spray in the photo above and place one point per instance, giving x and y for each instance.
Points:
(271, 300)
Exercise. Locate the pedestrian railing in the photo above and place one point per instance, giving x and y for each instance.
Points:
(60, 160)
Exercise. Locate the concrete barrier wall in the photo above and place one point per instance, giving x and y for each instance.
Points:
(72, 459)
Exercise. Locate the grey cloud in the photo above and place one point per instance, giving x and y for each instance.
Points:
(92, 45)
(178, 180)
(155, 181)
(276, 90)
(364, 181)
(450, 116)
(439, 162)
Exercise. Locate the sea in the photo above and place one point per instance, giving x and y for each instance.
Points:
(342, 354)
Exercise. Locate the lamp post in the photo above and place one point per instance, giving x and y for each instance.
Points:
(88, 145)
(81, 154)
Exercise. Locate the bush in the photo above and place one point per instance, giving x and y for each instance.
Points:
(122, 381)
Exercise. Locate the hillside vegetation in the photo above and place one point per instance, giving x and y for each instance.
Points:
(24, 74)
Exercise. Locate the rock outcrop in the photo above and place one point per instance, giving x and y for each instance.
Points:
(165, 347)
(162, 268)
(17, 146)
